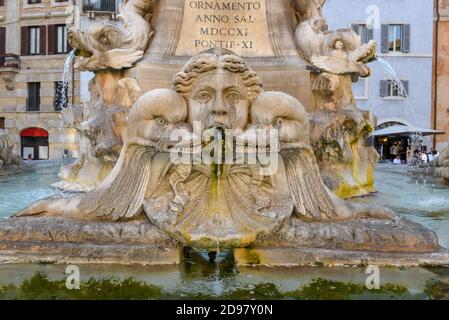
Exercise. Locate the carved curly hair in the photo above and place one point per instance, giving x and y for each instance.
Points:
(215, 59)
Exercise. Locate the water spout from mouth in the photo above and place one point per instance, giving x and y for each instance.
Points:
(63, 90)
(65, 79)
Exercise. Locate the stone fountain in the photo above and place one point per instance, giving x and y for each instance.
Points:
(10, 162)
(219, 125)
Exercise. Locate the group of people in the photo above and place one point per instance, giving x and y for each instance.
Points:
(420, 156)
(423, 158)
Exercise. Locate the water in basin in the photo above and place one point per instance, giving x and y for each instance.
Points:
(424, 200)
(19, 191)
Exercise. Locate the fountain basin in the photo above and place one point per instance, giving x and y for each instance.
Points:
(63, 240)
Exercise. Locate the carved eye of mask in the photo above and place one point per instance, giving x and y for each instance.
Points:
(278, 122)
(233, 97)
(203, 96)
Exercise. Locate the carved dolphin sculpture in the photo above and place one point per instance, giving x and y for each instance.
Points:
(336, 52)
(313, 200)
(120, 196)
(343, 53)
(108, 44)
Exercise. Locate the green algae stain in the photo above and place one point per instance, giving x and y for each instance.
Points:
(39, 287)
(346, 191)
(437, 289)
(323, 289)
(251, 257)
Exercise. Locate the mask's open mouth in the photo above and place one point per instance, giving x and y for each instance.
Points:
(219, 126)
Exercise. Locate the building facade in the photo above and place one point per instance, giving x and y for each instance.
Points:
(403, 31)
(33, 51)
(440, 94)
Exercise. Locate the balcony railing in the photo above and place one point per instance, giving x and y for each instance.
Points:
(101, 5)
(10, 61)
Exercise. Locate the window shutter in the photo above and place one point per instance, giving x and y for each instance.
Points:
(383, 88)
(24, 41)
(406, 38)
(384, 40)
(43, 40)
(370, 33)
(406, 86)
(51, 39)
(38, 96)
(2, 41)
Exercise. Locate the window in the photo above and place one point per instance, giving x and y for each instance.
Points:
(61, 39)
(34, 1)
(34, 96)
(395, 38)
(365, 32)
(34, 36)
(33, 40)
(61, 95)
(2, 123)
(391, 89)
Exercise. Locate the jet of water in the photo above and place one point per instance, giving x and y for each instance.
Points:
(392, 74)
(64, 87)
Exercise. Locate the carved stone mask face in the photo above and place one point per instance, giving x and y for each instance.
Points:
(219, 98)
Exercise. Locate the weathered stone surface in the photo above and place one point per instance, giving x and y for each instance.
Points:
(74, 253)
(64, 230)
(338, 137)
(364, 235)
(289, 257)
(62, 240)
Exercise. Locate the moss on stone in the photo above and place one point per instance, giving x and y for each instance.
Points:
(437, 289)
(251, 257)
(327, 150)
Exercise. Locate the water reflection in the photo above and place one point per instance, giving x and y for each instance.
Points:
(179, 282)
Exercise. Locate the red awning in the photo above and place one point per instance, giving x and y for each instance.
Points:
(34, 132)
